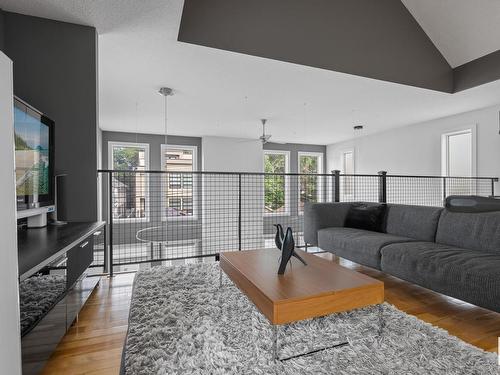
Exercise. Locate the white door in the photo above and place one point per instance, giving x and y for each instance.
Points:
(459, 154)
(458, 161)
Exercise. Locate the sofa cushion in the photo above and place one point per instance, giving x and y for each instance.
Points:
(358, 245)
(322, 215)
(416, 222)
(475, 231)
(366, 216)
(469, 275)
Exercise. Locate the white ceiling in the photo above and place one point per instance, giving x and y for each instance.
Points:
(225, 94)
(462, 30)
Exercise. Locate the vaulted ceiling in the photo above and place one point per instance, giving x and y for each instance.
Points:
(462, 30)
(222, 93)
(374, 39)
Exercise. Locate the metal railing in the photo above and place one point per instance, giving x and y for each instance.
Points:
(157, 216)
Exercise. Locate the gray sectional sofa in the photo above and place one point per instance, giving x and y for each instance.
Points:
(457, 254)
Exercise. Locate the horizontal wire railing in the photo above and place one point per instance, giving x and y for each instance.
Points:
(158, 216)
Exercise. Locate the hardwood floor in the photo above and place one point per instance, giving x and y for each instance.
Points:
(94, 343)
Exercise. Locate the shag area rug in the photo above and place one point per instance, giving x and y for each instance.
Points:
(181, 322)
(37, 295)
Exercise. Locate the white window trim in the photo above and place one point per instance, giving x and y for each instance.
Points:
(444, 148)
(320, 157)
(111, 146)
(194, 150)
(287, 181)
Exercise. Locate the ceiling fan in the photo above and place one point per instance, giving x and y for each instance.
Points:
(264, 138)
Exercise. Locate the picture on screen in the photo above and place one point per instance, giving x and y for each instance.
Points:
(32, 147)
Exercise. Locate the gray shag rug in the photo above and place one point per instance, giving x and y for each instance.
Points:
(37, 295)
(182, 323)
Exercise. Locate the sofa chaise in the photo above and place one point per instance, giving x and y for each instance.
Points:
(457, 254)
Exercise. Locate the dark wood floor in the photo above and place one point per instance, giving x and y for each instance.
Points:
(94, 343)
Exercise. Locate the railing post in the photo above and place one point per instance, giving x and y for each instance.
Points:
(444, 190)
(382, 187)
(105, 249)
(239, 211)
(336, 185)
(110, 222)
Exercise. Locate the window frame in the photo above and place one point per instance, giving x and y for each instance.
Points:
(145, 146)
(321, 170)
(194, 188)
(286, 153)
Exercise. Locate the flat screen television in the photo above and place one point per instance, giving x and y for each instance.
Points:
(34, 157)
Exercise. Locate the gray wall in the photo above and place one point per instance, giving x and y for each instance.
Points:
(2, 30)
(375, 39)
(154, 140)
(126, 232)
(55, 70)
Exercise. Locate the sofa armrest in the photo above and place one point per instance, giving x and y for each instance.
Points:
(322, 215)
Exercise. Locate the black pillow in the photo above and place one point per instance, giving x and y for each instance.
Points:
(366, 216)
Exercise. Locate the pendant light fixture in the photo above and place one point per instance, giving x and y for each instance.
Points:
(165, 92)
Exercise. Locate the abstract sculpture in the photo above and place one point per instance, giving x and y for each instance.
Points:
(286, 243)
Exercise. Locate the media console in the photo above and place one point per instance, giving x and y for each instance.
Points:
(54, 285)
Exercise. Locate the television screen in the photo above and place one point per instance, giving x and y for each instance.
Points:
(33, 156)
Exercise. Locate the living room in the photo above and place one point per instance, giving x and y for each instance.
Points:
(177, 144)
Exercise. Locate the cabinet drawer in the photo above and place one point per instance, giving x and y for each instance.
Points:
(79, 259)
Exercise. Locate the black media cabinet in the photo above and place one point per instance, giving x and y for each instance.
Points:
(54, 286)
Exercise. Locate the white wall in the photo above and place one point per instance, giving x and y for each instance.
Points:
(224, 154)
(416, 149)
(10, 343)
(220, 226)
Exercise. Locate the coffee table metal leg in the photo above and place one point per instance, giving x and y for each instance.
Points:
(220, 277)
(275, 342)
(381, 320)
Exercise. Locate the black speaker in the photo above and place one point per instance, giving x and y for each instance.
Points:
(471, 203)
(61, 197)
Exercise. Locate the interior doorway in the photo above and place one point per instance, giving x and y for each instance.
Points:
(458, 153)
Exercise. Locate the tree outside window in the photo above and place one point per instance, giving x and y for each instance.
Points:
(308, 185)
(180, 190)
(128, 158)
(275, 185)
(129, 189)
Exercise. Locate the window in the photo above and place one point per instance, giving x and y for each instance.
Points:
(180, 193)
(276, 186)
(348, 169)
(130, 190)
(309, 186)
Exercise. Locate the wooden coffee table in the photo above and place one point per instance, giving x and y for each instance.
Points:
(322, 287)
